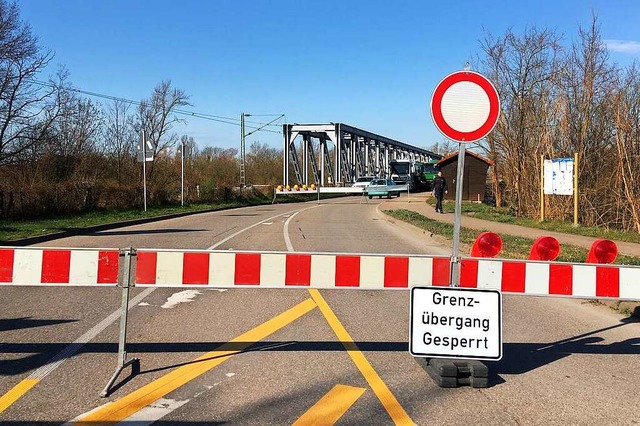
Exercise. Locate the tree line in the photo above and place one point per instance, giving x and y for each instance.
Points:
(62, 152)
(557, 101)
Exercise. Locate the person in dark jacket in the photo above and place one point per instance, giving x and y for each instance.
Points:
(439, 189)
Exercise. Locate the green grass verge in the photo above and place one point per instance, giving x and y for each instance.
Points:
(16, 230)
(494, 214)
(513, 247)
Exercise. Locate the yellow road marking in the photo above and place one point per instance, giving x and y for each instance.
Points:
(136, 400)
(388, 400)
(328, 410)
(16, 392)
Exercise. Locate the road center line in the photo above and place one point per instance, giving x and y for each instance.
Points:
(388, 400)
(219, 243)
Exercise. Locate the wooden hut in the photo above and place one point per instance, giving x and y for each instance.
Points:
(474, 177)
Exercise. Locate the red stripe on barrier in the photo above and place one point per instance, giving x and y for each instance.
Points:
(298, 270)
(607, 282)
(247, 269)
(441, 272)
(146, 267)
(195, 268)
(56, 265)
(108, 267)
(6, 265)
(513, 276)
(396, 272)
(469, 273)
(347, 271)
(560, 279)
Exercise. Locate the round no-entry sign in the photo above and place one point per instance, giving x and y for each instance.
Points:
(465, 106)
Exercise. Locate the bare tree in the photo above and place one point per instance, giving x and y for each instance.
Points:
(157, 116)
(523, 69)
(120, 136)
(627, 139)
(587, 84)
(25, 110)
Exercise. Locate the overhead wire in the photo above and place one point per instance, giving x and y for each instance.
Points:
(258, 126)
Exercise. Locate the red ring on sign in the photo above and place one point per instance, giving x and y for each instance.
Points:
(436, 106)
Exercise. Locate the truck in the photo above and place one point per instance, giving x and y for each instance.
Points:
(417, 175)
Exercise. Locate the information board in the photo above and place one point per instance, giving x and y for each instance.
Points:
(558, 176)
(454, 322)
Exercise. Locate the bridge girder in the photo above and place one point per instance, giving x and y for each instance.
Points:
(355, 153)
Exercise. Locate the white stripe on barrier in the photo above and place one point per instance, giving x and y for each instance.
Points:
(323, 270)
(169, 267)
(371, 272)
(83, 268)
(584, 281)
(489, 275)
(27, 267)
(272, 270)
(420, 271)
(630, 283)
(222, 269)
(536, 279)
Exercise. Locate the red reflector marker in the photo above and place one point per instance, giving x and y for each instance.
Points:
(487, 244)
(602, 251)
(545, 248)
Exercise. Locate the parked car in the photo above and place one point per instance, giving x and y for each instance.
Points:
(363, 181)
(383, 188)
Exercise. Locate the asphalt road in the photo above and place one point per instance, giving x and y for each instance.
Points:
(293, 356)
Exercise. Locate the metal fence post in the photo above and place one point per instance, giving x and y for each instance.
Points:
(126, 283)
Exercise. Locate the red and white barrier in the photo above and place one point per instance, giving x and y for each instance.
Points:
(277, 270)
(223, 269)
(552, 278)
(69, 267)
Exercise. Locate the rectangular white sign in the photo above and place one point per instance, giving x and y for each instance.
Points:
(558, 176)
(454, 322)
(147, 152)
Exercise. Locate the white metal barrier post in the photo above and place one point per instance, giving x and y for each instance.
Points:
(126, 284)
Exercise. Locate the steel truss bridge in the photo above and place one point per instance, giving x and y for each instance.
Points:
(336, 154)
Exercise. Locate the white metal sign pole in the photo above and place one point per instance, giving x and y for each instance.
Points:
(455, 258)
(144, 167)
(182, 174)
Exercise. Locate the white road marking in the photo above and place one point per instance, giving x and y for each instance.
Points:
(74, 347)
(153, 412)
(151, 416)
(285, 230)
(180, 297)
(219, 243)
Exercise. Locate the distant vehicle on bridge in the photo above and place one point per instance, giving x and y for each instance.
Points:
(383, 188)
(418, 176)
(363, 181)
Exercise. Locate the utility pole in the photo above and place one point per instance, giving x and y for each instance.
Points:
(243, 181)
(243, 135)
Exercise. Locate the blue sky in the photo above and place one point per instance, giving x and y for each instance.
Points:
(371, 64)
